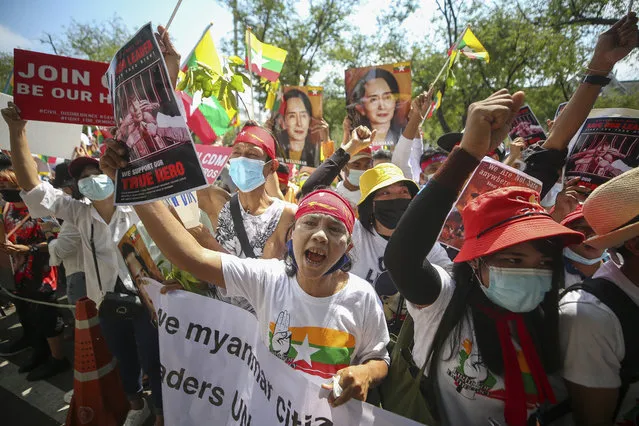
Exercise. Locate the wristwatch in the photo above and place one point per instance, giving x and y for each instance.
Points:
(597, 80)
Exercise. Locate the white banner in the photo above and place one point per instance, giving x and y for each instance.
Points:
(50, 139)
(217, 371)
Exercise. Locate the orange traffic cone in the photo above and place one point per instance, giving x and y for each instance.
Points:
(98, 398)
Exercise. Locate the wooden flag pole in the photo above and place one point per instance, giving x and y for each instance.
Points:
(177, 6)
(250, 67)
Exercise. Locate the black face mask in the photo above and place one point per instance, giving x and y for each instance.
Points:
(388, 212)
(11, 195)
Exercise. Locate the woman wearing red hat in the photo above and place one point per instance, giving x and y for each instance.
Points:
(294, 295)
(492, 327)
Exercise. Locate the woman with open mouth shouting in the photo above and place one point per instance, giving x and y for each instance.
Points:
(313, 314)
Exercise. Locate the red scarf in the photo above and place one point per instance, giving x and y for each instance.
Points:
(515, 412)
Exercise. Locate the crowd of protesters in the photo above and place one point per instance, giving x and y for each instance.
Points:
(533, 321)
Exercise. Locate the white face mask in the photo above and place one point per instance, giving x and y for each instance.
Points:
(353, 176)
(583, 260)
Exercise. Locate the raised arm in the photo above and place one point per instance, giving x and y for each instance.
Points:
(612, 46)
(409, 147)
(326, 173)
(23, 164)
(417, 231)
(173, 240)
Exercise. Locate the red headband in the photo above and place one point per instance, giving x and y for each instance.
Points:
(324, 201)
(437, 158)
(259, 137)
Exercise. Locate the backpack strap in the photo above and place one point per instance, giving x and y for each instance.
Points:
(238, 225)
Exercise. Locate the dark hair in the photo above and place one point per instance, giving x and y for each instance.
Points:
(365, 209)
(309, 153)
(128, 249)
(427, 155)
(5, 161)
(382, 154)
(358, 93)
(542, 323)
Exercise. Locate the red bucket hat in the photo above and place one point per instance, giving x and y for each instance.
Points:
(577, 214)
(506, 217)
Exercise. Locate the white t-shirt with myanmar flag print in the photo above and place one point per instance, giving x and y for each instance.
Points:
(318, 336)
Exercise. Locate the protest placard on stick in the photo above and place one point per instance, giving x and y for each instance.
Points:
(61, 89)
(162, 157)
(489, 175)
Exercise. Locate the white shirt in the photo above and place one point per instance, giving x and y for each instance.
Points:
(315, 335)
(351, 196)
(406, 156)
(67, 248)
(470, 393)
(592, 341)
(368, 254)
(44, 199)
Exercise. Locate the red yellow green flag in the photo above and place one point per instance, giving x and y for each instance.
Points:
(470, 47)
(436, 104)
(266, 60)
(206, 117)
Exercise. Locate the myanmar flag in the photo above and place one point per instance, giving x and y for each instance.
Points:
(206, 117)
(470, 47)
(266, 60)
(437, 102)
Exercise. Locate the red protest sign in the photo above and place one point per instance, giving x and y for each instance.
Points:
(57, 88)
(213, 159)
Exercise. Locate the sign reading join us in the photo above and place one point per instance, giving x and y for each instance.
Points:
(60, 89)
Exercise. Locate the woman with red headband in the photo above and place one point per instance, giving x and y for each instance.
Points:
(490, 329)
(292, 296)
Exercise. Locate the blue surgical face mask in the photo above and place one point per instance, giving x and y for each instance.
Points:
(583, 260)
(96, 187)
(353, 176)
(247, 174)
(517, 289)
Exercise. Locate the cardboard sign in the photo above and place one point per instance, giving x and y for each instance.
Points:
(526, 125)
(379, 97)
(50, 139)
(162, 158)
(65, 90)
(213, 160)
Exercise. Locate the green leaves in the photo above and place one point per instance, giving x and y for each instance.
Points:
(186, 279)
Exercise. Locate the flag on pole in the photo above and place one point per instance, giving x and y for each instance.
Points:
(8, 86)
(469, 46)
(206, 116)
(437, 102)
(265, 60)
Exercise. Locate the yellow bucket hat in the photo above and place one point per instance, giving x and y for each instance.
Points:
(381, 176)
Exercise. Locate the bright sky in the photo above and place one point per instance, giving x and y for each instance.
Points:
(23, 22)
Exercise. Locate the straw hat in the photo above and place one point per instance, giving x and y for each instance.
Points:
(612, 211)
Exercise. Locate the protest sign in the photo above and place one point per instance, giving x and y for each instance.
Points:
(526, 126)
(379, 97)
(187, 209)
(213, 159)
(606, 146)
(489, 175)
(57, 88)
(298, 126)
(50, 139)
(216, 370)
(162, 157)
